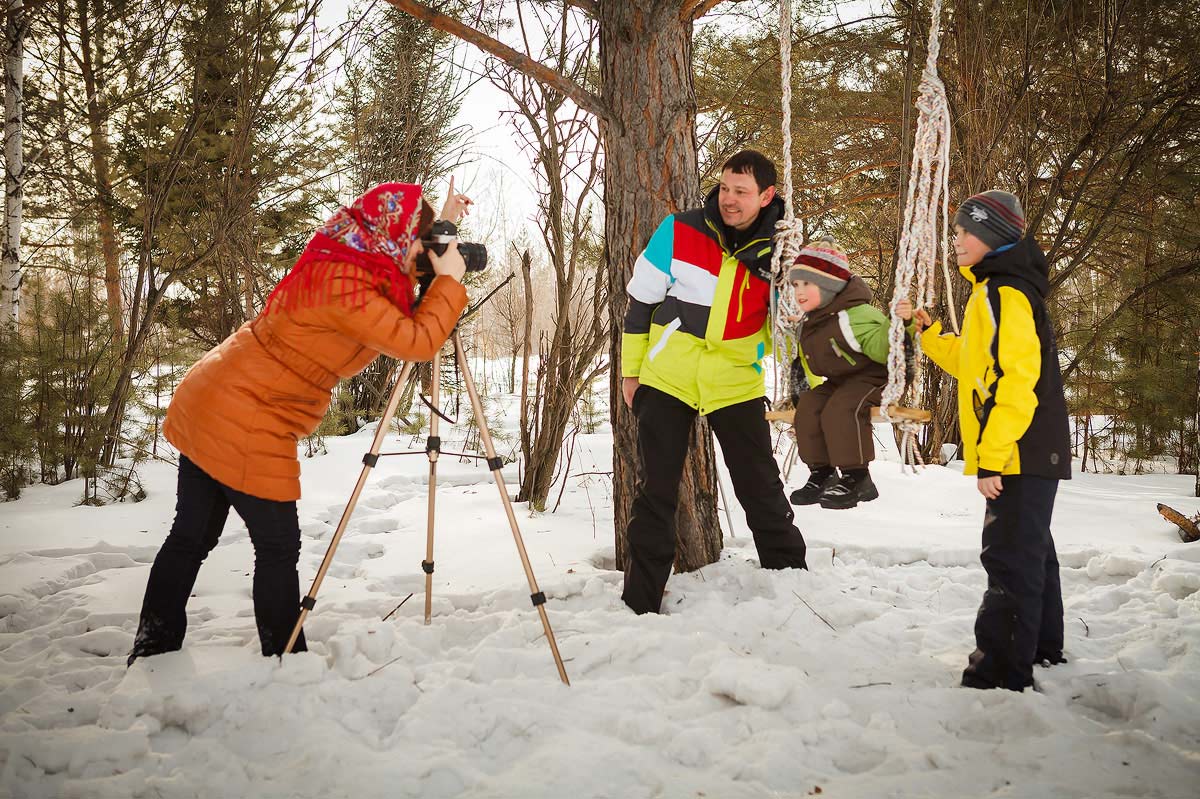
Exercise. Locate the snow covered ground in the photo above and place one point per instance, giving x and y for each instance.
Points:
(839, 681)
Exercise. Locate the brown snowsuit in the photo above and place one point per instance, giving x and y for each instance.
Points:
(841, 342)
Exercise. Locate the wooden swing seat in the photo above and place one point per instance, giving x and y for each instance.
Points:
(898, 414)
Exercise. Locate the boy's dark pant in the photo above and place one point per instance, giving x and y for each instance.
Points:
(833, 420)
(664, 425)
(1021, 619)
(201, 507)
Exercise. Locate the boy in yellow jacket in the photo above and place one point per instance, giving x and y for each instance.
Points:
(1013, 419)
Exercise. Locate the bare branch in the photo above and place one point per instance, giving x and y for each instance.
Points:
(518, 61)
(694, 9)
(589, 7)
(1102, 329)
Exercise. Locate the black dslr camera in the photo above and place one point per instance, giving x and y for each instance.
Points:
(437, 238)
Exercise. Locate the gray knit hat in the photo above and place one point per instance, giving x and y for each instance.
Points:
(823, 263)
(994, 217)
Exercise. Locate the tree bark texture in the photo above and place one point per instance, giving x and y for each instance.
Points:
(526, 350)
(15, 28)
(650, 171)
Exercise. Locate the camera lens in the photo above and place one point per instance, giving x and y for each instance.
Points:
(475, 255)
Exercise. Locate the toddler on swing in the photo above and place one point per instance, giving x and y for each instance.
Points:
(844, 340)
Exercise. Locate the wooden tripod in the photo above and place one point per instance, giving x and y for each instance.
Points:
(433, 450)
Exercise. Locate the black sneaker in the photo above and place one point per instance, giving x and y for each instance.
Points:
(853, 488)
(818, 481)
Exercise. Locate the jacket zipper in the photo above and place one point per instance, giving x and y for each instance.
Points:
(668, 331)
(833, 343)
(721, 239)
(742, 295)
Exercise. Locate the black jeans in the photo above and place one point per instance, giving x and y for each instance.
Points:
(1020, 620)
(201, 507)
(664, 425)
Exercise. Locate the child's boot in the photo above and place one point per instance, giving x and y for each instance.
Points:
(821, 478)
(855, 486)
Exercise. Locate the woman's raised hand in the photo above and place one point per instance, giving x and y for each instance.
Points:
(456, 206)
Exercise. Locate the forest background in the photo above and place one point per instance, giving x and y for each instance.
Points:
(166, 163)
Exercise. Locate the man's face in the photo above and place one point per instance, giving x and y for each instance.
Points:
(968, 249)
(740, 200)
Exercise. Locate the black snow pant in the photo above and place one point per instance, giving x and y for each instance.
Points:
(1020, 621)
(201, 507)
(664, 426)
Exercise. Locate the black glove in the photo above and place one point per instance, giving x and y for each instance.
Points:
(797, 381)
(910, 360)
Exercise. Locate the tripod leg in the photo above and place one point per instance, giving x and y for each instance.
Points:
(369, 461)
(495, 464)
(433, 448)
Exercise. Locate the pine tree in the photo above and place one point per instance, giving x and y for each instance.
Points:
(16, 437)
(397, 107)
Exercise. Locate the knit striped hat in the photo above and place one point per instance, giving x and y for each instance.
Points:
(994, 217)
(822, 263)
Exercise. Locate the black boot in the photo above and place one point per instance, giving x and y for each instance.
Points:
(855, 486)
(1048, 659)
(821, 478)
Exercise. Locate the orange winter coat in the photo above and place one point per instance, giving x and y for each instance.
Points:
(242, 408)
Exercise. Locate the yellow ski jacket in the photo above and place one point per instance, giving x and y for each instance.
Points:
(1011, 407)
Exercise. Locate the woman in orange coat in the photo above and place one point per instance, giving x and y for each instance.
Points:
(239, 412)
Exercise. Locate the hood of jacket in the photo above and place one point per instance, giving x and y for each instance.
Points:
(1024, 260)
(856, 292)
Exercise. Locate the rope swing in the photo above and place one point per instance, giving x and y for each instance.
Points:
(926, 221)
(789, 238)
(928, 197)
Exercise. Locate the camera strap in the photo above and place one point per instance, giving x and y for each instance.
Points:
(430, 406)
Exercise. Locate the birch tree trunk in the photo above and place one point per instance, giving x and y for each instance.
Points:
(16, 25)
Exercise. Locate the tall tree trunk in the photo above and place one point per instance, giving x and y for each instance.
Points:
(1196, 428)
(16, 25)
(97, 130)
(650, 171)
(647, 115)
(526, 351)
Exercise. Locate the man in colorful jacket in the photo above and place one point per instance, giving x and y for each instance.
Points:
(695, 335)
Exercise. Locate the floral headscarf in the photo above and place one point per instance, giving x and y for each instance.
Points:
(374, 232)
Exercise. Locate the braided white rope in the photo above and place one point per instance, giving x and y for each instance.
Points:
(922, 228)
(788, 235)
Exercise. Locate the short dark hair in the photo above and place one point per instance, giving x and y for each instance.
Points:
(754, 163)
